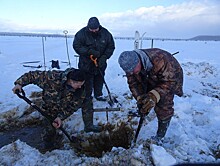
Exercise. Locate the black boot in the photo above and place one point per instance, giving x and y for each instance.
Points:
(48, 139)
(51, 138)
(161, 131)
(100, 98)
(88, 122)
(162, 127)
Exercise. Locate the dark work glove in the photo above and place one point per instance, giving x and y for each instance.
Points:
(102, 61)
(139, 103)
(148, 101)
(95, 53)
(139, 106)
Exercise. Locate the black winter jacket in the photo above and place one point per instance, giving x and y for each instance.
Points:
(85, 40)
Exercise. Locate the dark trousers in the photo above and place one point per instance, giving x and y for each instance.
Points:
(94, 82)
(164, 108)
(49, 133)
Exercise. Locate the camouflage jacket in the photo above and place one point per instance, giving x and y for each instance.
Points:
(166, 75)
(59, 99)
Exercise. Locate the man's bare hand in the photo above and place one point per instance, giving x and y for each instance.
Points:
(57, 123)
(17, 87)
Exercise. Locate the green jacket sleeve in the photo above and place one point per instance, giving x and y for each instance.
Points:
(33, 77)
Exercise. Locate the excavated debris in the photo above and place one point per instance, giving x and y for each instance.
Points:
(96, 144)
(12, 121)
(89, 144)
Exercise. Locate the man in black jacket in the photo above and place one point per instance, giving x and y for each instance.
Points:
(97, 41)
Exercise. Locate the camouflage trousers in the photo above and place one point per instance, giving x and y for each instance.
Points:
(49, 134)
(164, 108)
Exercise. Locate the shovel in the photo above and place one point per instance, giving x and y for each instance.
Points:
(111, 99)
(22, 96)
(139, 127)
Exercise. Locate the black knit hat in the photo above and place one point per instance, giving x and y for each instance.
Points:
(76, 75)
(93, 23)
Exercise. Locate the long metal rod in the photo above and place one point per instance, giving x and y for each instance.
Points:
(67, 50)
(106, 109)
(142, 38)
(44, 54)
(175, 53)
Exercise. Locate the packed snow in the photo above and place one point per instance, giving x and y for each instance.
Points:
(194, 132)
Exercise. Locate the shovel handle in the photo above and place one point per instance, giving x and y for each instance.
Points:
(20, 94)
(139, 127)
(111, 102)
(94, 60)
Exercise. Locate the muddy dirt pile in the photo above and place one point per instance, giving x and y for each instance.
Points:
(96, 144)
(90, 144)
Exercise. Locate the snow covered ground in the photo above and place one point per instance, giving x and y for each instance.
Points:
(194, 132)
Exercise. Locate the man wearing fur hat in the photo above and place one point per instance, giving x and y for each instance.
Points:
(97, 41)
(63, 94)
(154, 77)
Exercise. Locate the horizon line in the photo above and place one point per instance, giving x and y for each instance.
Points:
(40, 34)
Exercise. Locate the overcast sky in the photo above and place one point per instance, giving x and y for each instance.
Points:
(158, 18)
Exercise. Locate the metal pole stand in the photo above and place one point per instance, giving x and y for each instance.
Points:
(67, 51)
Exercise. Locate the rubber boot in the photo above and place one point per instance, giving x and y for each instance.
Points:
(100, 98)
(162, 127)
(161, 131)
(88, 122)
(48, 135)
(51, 138)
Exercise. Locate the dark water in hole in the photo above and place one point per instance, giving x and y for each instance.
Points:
(31, 135)
(91, 145)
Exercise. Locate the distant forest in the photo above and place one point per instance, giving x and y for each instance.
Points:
(206, 38)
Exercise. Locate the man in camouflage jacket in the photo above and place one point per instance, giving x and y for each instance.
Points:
(63, 94)
(97, 41)
(154, 77)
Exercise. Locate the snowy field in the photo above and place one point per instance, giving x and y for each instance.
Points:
(194, 132)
